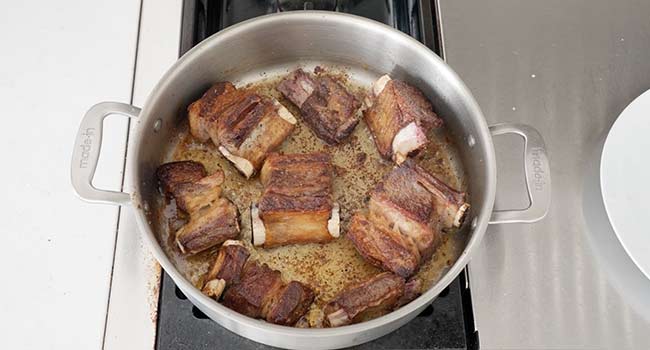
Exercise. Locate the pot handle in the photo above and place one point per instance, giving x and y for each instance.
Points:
(87, 147)
(538, 176)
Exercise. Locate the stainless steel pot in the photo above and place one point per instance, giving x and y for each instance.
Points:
(273, 44)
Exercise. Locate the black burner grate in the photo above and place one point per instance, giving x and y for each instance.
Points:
(202, 18)
(183, 326)
(446, 324)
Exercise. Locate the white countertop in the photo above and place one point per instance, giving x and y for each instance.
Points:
(60, 58)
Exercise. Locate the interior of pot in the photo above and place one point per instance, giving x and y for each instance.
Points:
(267, 45)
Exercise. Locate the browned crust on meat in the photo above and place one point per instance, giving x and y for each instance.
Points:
(290, 304)
(298, 174)
(208, 227)
(325, 104)
(398, 105)
(171, 175)
(383, 121)
(447, 201)
(295, 220)
(383, 247)
(237, 121)
(330, 111)
(424, 234)
(434, 185)
(265, 133)
(402, 188)
(247, 124)
(270, 203)
(415, 105)
(297, 87)
(279, 160)
(192, 196)
(260, 293)
(297, 200)
(229, 264)
(380, 292)
(258, 284)
(206, 109)
(403, 200)
(212, 219)
(417, 204)
(299, 227)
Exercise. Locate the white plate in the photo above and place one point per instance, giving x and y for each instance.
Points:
(625, 180)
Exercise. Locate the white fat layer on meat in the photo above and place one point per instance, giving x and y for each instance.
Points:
(338, 318)
(214, 288)
(334, 223)
(460, 214)
(232, 242)
(379, 85)
(259, 231)
(284, 113)
(242, 164)
(407, 140)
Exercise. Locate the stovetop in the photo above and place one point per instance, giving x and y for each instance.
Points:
(448, 322)
(440, 326)
(202, 18)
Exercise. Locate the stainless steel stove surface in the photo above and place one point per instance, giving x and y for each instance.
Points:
(448, 322)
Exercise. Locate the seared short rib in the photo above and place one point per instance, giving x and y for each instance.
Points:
(212, 219)
(377, 294)
(383, 247)
(325, 105)
(255, 290)
(243, 124)
(407, 211)
(399, 117)
(226, 268)
(296, 205)
(261, 293)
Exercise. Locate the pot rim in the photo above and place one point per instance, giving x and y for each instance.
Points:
(423, 300)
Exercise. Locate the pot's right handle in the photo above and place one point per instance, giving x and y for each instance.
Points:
(538, 175)
(86, 151)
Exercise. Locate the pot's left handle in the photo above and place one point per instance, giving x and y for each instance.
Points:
(86, 151)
